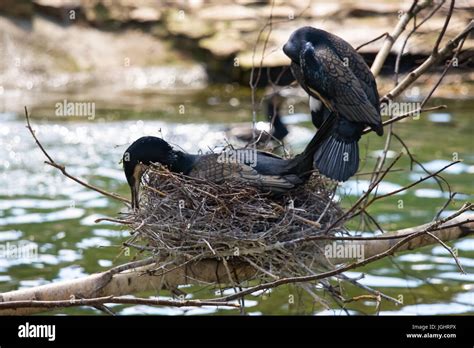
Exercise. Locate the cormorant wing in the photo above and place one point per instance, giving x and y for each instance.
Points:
(218, 169)
(358, 67)
(329, 79)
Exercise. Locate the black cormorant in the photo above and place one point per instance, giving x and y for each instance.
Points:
(340, 85)
(266, 171)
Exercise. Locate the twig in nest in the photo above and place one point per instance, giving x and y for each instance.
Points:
(233, 222)
(118, 221)
(432, 227)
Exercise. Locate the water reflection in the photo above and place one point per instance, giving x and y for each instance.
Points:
(21, 218)
(440, 117)
(358, 187)
(431, 308)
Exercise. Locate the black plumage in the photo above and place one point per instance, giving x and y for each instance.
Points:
(273, 105)
(265, 171)
(341, 86)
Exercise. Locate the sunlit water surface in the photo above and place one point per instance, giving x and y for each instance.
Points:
(39, 205)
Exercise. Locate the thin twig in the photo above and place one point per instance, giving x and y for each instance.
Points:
(408, 114)
(393, 36)
(445, 26)
(365, 195)
(448, 66)
(371, 41)
(412, 184)
(438, 178)
(415, 28)
(62, 168)
(112, 299)
(432, 60)
(444, 245)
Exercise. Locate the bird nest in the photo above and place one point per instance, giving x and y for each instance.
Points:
(182, 219)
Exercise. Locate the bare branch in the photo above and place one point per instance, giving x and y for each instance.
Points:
(392, 37)
(412, 184)
(415, 28)
(432, 60)
(399, 246)
(371, 41)
(62, 168)
(111, 299)
(364, 196)
(445, 26)
(408, 114)
(444, 245)
(448, 66)
(211, 271)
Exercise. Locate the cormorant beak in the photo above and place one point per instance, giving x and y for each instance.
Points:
(137, 177)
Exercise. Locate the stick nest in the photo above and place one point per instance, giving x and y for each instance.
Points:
(185, 219)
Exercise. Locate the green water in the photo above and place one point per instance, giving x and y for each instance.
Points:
(39, 205)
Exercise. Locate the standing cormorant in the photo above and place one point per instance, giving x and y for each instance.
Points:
(265, 171)
(340, 85)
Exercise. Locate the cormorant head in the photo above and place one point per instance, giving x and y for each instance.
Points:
(298, 40)
(138, 157)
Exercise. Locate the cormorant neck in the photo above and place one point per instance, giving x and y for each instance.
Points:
(182, 162)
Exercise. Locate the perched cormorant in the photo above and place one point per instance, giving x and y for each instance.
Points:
(340, 85)
(259, 169)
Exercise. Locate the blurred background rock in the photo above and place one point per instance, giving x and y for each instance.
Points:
(151, 43)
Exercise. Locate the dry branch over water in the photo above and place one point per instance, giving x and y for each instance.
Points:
(150, 274)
